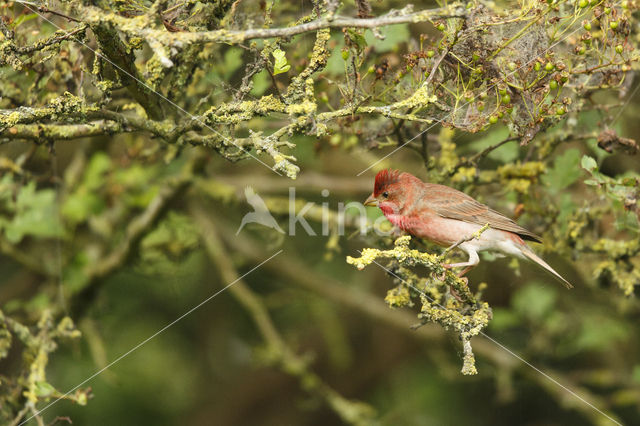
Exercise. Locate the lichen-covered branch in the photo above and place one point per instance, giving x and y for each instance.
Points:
(36, 344)
(124, 62)
(136, 26)
(460, 311)
(48, 132)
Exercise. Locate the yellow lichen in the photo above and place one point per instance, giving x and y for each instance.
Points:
(462, 312)
(464, 175)
(398, 297)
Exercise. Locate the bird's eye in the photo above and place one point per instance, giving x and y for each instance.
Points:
(385, 194)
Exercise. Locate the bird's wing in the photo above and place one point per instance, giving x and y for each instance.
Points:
(453, 204)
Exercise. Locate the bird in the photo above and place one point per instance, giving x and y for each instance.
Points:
(447, 217)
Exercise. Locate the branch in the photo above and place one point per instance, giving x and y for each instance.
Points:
(403, 254)
(394, 17)
(44, 9)
(39, 132)
(124, 64)
(63, 106)
(57, 37)
(472, 161)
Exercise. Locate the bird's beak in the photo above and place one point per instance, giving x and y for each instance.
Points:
(371, 201)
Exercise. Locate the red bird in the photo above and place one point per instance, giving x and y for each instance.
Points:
(445, 216)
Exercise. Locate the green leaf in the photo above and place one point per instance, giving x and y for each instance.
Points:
(588, 163)
(565, 170)
(86, 200)
(280, 66)
(357, 38)
(22, 19)
(35, 214)
(44, 389)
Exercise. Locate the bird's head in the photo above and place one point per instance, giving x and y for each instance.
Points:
(391, 190)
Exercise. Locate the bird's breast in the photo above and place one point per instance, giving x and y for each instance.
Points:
(402, 222)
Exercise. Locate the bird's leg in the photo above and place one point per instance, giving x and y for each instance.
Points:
(455, 294)
(474, 259)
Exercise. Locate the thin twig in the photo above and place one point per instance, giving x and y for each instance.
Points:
(45, 9)
(435, 66)
(472, 161)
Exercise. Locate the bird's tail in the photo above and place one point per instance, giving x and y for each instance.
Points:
(534, 258)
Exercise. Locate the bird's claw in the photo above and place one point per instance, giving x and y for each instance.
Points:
(455, 294)
(442, 276)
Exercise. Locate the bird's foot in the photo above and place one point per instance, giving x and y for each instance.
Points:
(455, 294)
(442, 276)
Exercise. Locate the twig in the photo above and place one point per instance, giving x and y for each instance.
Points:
(39, 45)
(36, 414)
(435, 66)
(16, 421)
(124, 64)
(474, 159)
(275, 83)
(45, 9)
